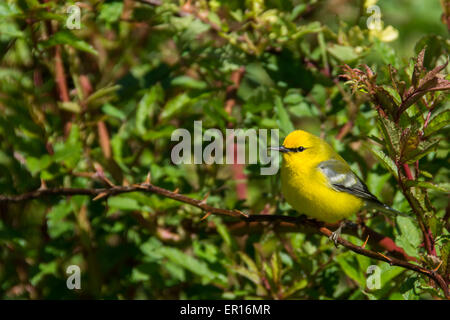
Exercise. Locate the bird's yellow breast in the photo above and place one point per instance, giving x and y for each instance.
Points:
(307, 190)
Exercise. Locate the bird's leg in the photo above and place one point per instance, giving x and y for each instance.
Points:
(336, 234)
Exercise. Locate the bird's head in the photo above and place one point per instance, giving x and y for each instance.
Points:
(303, 146)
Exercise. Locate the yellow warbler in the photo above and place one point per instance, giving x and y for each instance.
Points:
(316, 181)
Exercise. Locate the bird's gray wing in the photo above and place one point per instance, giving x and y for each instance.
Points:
(341, 178)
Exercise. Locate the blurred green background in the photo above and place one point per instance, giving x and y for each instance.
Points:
(109, 95)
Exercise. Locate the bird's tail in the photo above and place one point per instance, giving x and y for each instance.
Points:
(386, 209)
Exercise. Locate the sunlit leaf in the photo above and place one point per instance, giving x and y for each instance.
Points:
(68, 38)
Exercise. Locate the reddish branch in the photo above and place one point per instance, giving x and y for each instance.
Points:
(104, 139)
(295, 222)
(238, 169)
(408, 171)
(426, 231)
(60, 76)
(59, 73)
(446, 14)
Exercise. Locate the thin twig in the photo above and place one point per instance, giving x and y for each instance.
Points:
(201, 204)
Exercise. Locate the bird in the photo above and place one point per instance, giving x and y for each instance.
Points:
(318, 182)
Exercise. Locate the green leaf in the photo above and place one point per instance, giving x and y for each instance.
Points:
(296, 286)
(438, 121)
(407, 289)
(59, 211)
(343, 53)
(410, 236)
(188, 82)
(351, 267)
(303, 109)
(164, 133)
(444, 244)
(389, 273)
(376, 182)
(174, 106)
(434, 45)
(391, 135)
(223, 231)
(70, 106)
(123, 203)
(393, 94)
(101, 93)
(276, 266)
(175, 271)
(257, 73)
(387, 162)
(110, 12)
(424, 147)
(151, 249)
(284, 122)
(36, 165)
(418, 68)
(387, 101)
(147, 106)
(139, 275)
(44, 269)
(44, 14)
(249, 262)
(442, 187)
(250, 275)
(56, 223)
(206, 251)
(293, 98)
(188, 262)
(251, 271)
(112, 111)
(69, 152)
(68, 38)
(10, 31)
(313, 27)
(298, 10)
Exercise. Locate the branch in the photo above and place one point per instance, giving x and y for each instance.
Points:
(299, 222)
(60, 76)
(238, 169)
(115, 190)
(426, 230)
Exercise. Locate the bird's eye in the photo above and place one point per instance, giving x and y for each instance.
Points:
(300, 149)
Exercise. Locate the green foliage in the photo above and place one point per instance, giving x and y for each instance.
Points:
(78, 107)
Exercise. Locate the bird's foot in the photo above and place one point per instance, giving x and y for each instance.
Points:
(336, 234)
(334, 237)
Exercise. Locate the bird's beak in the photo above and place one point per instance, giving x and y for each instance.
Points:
(279, 149)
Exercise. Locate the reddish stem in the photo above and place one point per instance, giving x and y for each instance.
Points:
(238, 169)
(426, 232)
(60, 76)
(407, 171)
(430, 239)
(346, 128)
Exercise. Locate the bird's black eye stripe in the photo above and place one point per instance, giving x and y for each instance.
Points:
(299, 149)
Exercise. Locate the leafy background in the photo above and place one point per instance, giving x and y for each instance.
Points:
(107, 97)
